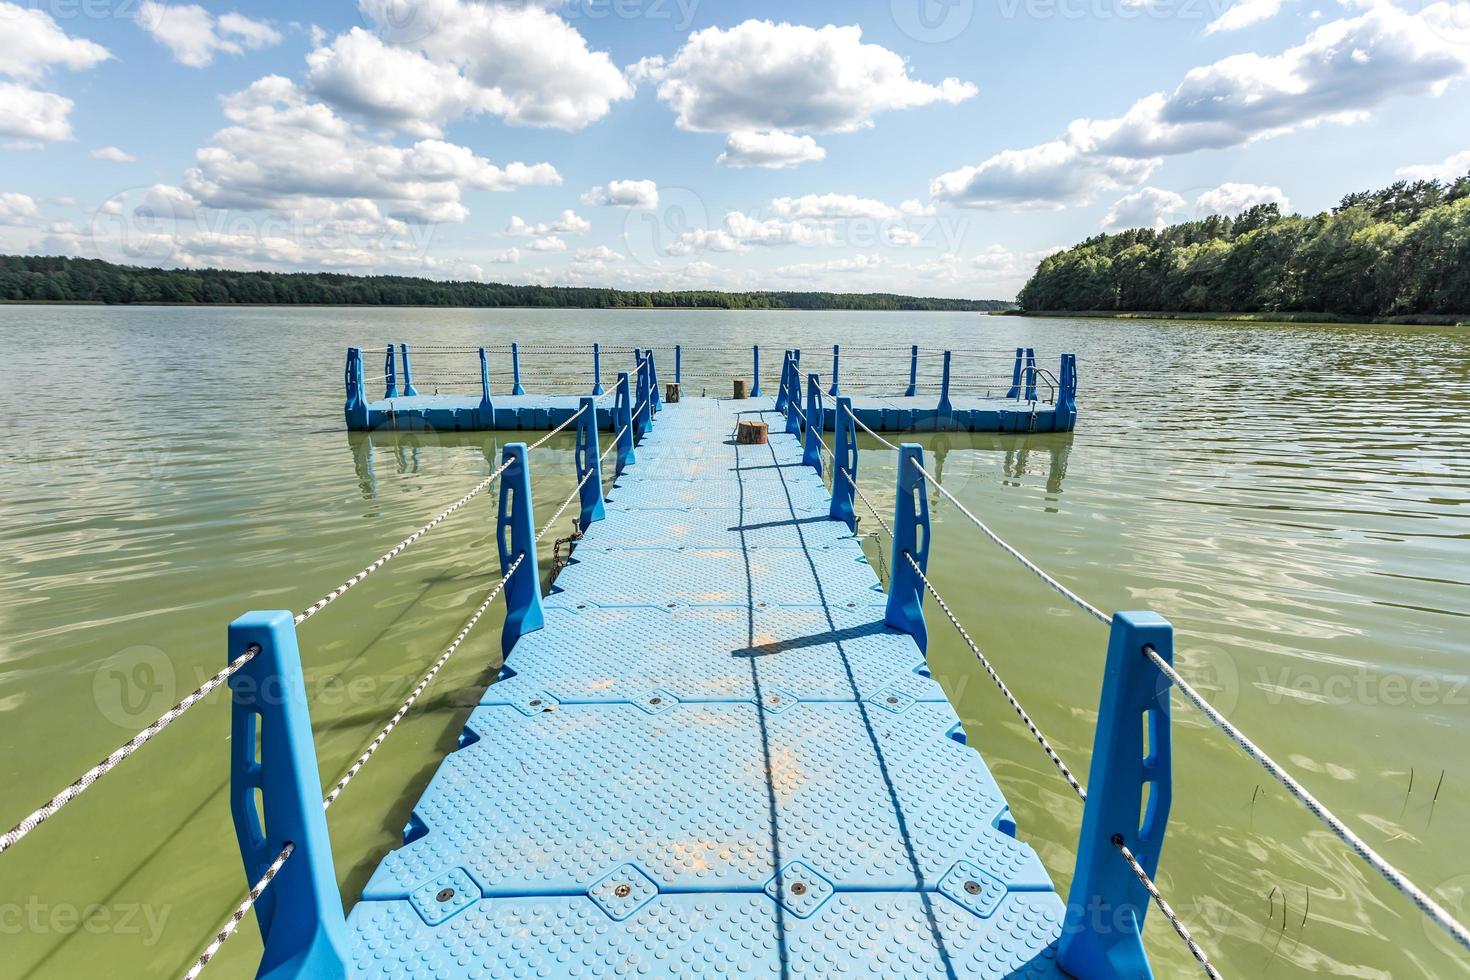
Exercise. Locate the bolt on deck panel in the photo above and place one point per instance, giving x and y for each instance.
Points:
(761, 774)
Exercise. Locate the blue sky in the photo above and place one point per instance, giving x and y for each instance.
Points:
(938, 147)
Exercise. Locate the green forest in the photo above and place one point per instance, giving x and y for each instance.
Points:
(48, 279)
(1400, 251)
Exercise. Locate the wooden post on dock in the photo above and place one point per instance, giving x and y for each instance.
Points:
(671, 392)
(751, 433)
(739, 393)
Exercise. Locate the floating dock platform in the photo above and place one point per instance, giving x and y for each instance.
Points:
(714, 760)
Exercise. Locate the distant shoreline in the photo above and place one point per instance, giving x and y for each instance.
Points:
(441, 306)
(1326, 319)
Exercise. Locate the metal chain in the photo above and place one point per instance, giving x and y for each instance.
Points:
(1010, 698)
(30, 823)
(238, 916)
(1164, 907)
(423, 683)
(1061, 589)
(1372, 858)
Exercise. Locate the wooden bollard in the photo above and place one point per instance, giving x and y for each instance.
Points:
(751, 433)
(671, 392)
(740, 392)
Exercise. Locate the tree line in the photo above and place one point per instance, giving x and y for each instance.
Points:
(1400, 251)
(56, 279)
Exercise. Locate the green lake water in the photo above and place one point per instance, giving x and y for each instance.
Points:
(1295, 499)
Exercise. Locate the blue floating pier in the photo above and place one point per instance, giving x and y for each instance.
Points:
(715, 759)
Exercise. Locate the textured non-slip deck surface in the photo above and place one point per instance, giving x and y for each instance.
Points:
(715, 760)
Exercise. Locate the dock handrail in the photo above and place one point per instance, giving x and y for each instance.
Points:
(1161, 660)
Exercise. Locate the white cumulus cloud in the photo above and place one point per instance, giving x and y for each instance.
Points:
(194, 36)
(1244, 13)
(624, 194)
(566, 223)
(113, 154)
(31, 45)
(1148, 207)
(1231, 199)
(772, 150)
(16, 208)
(1449, 169)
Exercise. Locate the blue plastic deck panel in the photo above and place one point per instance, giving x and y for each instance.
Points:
(714, 760)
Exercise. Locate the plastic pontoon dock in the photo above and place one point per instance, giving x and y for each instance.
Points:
(714, 759)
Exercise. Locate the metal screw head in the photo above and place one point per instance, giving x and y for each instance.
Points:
(535, 702)
(774, 699)
(972, 887)
(445, 895)
(893, 700)
(623, 891)
(798, 888)
(655, 700)
(672, 605)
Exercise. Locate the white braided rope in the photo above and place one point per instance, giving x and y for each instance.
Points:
(565, 504)
(1051, 753)
(862, 425)
(1164, 907)
(1061, 589)
(881, 522)
(238, 916)
(399, 548)
(546, 438)
(1372, 858)
(423, 684)
(30, 823)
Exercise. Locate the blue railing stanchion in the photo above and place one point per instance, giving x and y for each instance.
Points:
(811, 446)
(390, 382)
(781, 390)
(793, 397)
(945, 409)
(589, 459)
(844, 461)
(910, 537)
(487, 407)
(1102, 936)
(355, 409)
(597, 369)
(913, 387)
(655, 402)
(300, 915)
(1030, 374)
(516, 387)
(755, 378)
(678, 364)
(642, 408)
(1015, 389)
(515, 535)
(408, 389)
(623, 424)
(1066, 408)
(836, 366)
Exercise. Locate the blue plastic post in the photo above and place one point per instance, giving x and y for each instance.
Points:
(487, 408)
(408, 389)
(515, 370)
(836, 364)
(793, 398)
(1102, 936)
(1067, 395)
(589, 459)
(910, 537)
(355, 410)
(811, 451)
(516, 535)
(641, 413)
(655, 401)
(390, 385)
(1030, 374)
(945, 408)
(623, 424)
(678, 365)
(781, 390)
(845, 461)
(274, 778)
(597, 369)
(913, 387)
(755, 383)
(1015, 390)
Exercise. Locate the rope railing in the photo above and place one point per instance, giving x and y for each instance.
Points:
(1390, 873)
(1179, 927)
(84, 782)
(238, 916)
(864, 426)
